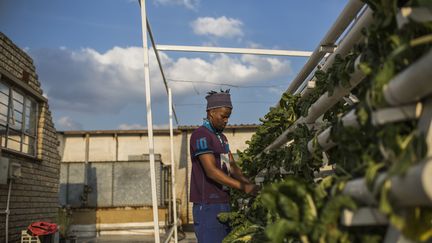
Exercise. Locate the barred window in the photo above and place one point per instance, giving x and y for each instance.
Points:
(18, 113)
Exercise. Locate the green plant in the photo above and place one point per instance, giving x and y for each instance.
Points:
(296, 207)
(64, 221)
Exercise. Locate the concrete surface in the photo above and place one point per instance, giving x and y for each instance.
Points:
(189, 238)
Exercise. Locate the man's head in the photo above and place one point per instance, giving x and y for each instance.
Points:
(219, 108)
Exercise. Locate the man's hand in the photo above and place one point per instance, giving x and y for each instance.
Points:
(251, 189)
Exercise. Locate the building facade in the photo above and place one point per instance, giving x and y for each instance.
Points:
(108, 153)
(29, 162)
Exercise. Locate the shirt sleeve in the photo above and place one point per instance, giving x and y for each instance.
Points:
(201, 143)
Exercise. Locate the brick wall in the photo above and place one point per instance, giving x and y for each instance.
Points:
(34, 197)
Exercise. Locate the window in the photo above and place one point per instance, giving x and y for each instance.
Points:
(18, 113)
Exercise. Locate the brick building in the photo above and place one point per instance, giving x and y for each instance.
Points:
(29, 144)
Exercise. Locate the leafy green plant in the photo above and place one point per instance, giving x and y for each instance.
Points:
(294, 206)
(64, 221)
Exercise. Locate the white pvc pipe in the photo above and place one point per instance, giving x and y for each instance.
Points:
(347, 43)
(396, 114)
(174, 195)
(325, 101)
(414, 188)
(348, 14)
(379, 117)
(283, 138)
(412, 84)
(323, 104)
(354, 36)
(323, 139)
(358, 190)
(149, 121)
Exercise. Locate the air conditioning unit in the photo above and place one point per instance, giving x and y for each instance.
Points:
(4, 170)
(14, 170)
(9, 170)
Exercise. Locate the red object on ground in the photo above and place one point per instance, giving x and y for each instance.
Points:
(41, 228)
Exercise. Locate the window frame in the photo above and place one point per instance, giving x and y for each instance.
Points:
(11, 113)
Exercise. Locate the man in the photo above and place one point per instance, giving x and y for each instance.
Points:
(214, 171)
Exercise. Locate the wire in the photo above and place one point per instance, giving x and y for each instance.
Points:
(235, 102)
(224, 84)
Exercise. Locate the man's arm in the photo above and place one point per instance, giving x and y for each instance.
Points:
(235, 170)
(209, 164)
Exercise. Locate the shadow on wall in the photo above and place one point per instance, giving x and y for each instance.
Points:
(184, 151)
(74, 193)
(183, 164)
(110, 184)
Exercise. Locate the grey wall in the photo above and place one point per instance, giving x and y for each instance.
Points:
(112, 184)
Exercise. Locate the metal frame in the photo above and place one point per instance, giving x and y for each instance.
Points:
(251, 51)
(149, 121)
(156, 48)
(174, 194)
(350, 16)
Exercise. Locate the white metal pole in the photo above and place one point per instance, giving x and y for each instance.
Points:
(149, 120)
(172, 163)
(214, 49)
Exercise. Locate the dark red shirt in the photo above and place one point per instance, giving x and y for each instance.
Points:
(203, 189)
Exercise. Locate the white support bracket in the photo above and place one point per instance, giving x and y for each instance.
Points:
(311, 85)
(365, 216)
(351, 99)
(328, 48)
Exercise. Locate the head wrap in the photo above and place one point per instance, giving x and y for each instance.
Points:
(216, 100)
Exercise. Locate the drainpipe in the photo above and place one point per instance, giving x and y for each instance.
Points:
(86, 188)
(7, 212)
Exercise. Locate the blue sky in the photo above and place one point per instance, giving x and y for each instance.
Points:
(88, 55)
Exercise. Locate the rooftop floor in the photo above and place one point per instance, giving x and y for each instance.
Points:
(189, 238)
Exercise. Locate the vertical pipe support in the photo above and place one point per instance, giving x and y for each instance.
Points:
(172, 164)
(149, 120)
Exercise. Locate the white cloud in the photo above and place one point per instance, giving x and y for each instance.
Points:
(190, 4)
(89, 81)
(219, 27)
(67, 123)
